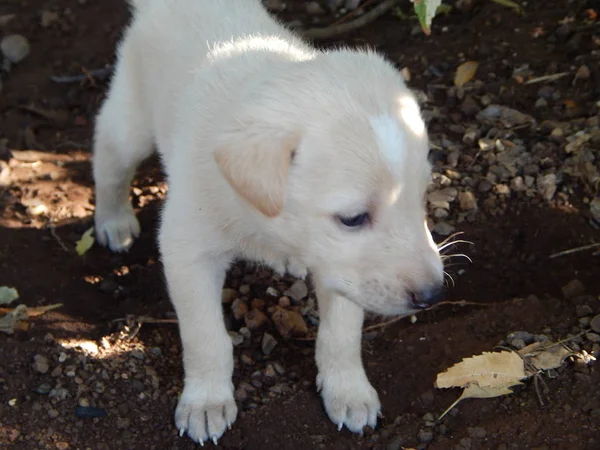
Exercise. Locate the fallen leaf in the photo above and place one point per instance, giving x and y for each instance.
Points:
(425, 11)
(490, 369)
(531, 349)
(476, 391)
(39, 310)
(8, 295)
(592, 14)
(550, 358)
(465, 73)
(444, 9)
(8, 322)
(86, 242)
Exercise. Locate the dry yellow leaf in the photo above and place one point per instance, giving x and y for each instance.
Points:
(488, 370)
(39, 310)
(550, 358)
(475, 391)
(465, 73)
(531, 349)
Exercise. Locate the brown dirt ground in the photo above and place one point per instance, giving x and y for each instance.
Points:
(510, 259)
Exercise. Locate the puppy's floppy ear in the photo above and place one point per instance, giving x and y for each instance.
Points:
(255, 158)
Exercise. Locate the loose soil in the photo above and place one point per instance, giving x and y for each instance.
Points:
(135, 376)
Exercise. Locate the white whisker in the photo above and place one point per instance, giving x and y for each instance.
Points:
(449, 244)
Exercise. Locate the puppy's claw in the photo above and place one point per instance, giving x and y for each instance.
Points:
(340, 426)
(201, 442)
(181, 432)
(215, 440)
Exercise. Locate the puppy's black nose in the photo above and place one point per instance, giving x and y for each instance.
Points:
(427, 298)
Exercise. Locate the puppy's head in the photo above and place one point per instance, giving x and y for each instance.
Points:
(342, 173)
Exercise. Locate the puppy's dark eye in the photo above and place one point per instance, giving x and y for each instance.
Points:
(355, 221)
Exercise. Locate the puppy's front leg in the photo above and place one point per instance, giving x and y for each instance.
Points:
(195, 278)
(348, 396)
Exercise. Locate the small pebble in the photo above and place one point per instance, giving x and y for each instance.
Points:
(138, 354)
(15, 47)
(43, 389)
(245, 289)
(236, 338)
(593, 337)
(573, 288)
(123, 423)
(425, 435)
(518, 343)
(268, 343)
(583, 310)
(272, 292)
(284, 302)
(245, 333)
(443, 228)
(239, 308)
(270, 371)
(298, 290)
(477, 432)
(595, 323)
(396, 443)
(255, 319)
(247, 360)
(41, 364)
(89, 412)
(53, 413)
(240, 395)
(467, 201)
(228, 295)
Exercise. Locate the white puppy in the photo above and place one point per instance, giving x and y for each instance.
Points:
(277, 153)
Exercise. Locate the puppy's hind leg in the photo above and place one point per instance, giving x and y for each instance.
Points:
(122, 140)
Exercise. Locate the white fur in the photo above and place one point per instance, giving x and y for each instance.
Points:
(390, 139)
(266, 143)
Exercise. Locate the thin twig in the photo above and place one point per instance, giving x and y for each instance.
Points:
(89, 75)
(352, 13)
(58, 239)
(337, 30)
(588, 27)
(146, 319)
(537, 389)
(377, 326)
(574, 250)
(562, 341)
(543, 79)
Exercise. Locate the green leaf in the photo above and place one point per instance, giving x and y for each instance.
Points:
(426, 10)
(86, 242)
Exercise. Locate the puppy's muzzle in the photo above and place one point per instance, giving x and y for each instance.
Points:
(427, 297)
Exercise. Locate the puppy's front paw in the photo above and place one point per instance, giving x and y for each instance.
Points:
(205, 410)
(297, 269)
(117, 229)
(349, 399)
